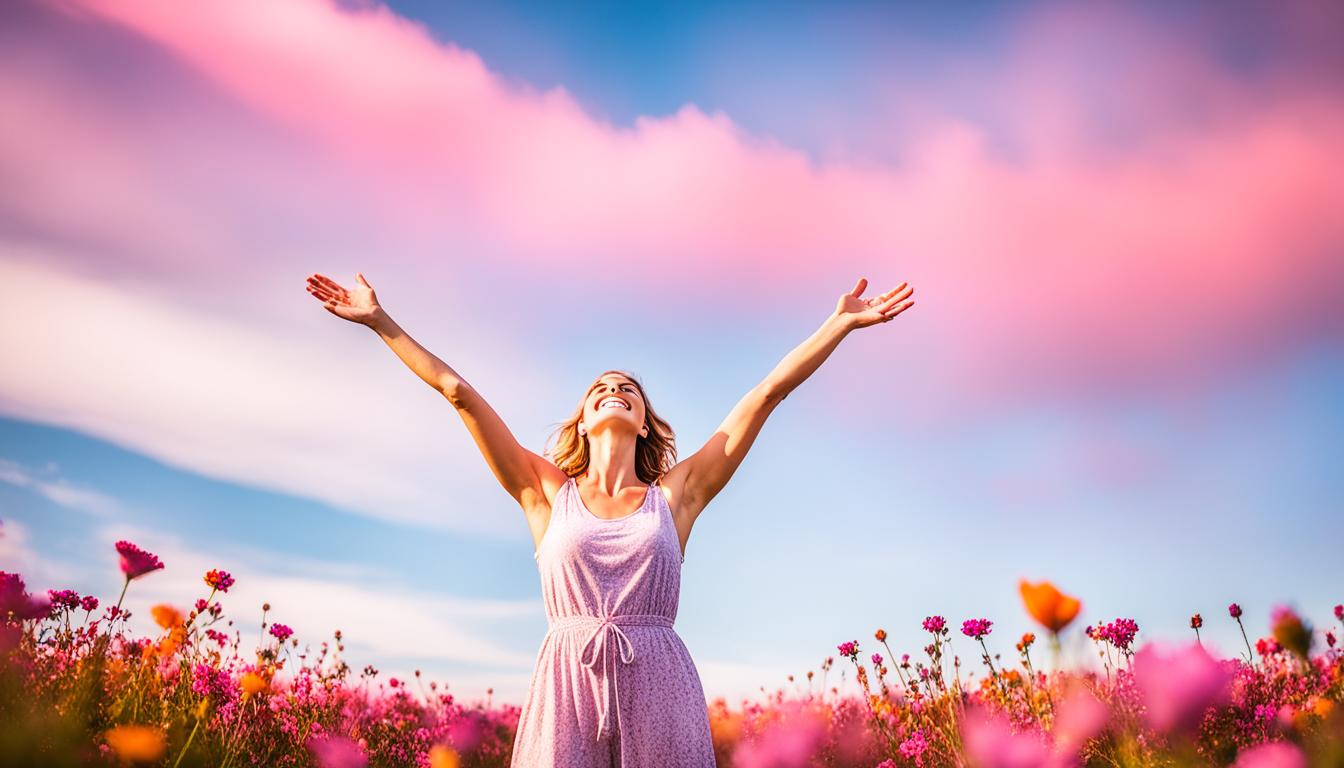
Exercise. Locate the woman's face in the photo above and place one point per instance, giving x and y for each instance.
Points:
(613, 403)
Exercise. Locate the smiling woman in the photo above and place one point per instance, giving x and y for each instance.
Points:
(614, 685)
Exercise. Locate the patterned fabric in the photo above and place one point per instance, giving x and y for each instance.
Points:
(614, 684)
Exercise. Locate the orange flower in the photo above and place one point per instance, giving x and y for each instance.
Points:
(1052, 608)
(166, 616)
(442, 757)
(252, 683)
(137, 743)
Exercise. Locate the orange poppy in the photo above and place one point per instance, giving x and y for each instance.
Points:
(137, 743)
(1047, 605)
(166, 616)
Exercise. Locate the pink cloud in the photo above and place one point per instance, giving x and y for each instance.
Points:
(1205, 240)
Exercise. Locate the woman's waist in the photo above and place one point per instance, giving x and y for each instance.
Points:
(560, 623)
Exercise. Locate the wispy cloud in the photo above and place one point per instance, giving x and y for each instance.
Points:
(59, 490)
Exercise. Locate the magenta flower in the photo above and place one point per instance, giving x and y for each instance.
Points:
(976, 628)
(1276, 754)
(89, 603)
(281, 632)
(1339, 612)
(914, 746)
(201, 605)
(877, 659)
(337, 752)
(63, 598)
(220, 580)
(135, 562)
(1120, 633)
(1079, 716)
(991, 743)
(790, 742)
(1234, 611)
(934, 624)
(1178, 685)
(850, 649)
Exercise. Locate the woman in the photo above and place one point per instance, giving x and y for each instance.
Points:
(613, 685)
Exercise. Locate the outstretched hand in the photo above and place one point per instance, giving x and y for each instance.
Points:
(860, 313)
(358, 305)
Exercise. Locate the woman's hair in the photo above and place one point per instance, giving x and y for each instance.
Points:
(654, 455)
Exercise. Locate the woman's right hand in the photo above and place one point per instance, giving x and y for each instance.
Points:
(358, 305)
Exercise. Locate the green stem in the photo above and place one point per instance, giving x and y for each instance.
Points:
(187, 746)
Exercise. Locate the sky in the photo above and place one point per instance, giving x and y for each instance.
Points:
(1124, 371)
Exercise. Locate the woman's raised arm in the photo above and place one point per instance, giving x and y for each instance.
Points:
(703, 474)
(519, 470)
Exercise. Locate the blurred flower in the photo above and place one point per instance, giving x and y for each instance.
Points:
(63, 598)
(934, 624)
(850, 649)
(990, 743)
(1291, 631)
(337, 752)
(135, 562)
(89, 603)
(137, 743)
(220, 580)
(252, 683)
(1234, 611)
(881, 635)
(1339, 612)
(1079, 716)
(877, 659)
(1273, 755)
(1330, 639)
(1026, 641)
(441, 756)
(1267, 645)
(1047, 605)
(166, 616)
(1196, 621)
(976, 628)
(1179, 684)
(790, 742)
(281, 632)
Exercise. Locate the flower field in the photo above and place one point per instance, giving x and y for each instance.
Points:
(76, 689)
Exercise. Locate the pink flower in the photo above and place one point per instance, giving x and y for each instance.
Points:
(914, 746)
(1234, 611)
(877, 659)
(1079, 716)
(220, 580)
(135, 562)
(1273, 755)
(934, 624)
(1339, 612)
(991, 743)
(1179, 684)
(792, 742)
(850, 649)
(89, 603)
(281, 632)
(337, 752)
(976, 628)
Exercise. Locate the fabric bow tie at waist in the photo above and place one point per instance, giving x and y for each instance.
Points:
(597, 642)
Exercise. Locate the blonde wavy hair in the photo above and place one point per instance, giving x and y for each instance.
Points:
(654, 455)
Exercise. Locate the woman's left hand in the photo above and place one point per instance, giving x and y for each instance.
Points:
(860, 313)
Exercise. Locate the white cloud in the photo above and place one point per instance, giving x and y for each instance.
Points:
(278, 405)
(59, 491)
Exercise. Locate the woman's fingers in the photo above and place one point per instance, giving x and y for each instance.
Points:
(326, 295)
(326, 282)
(858, 287)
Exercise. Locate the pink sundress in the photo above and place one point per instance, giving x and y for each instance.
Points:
(614, 684)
